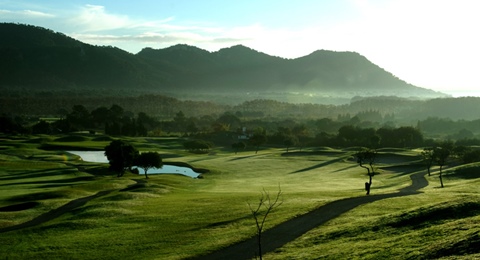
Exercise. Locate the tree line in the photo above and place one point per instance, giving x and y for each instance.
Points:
(228, 128)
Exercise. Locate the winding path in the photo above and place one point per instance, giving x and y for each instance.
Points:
(292, 229)
(273, 238)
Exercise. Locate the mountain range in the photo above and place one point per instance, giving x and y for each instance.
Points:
(38, 58)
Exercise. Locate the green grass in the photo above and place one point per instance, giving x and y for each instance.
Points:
(174, 217)
(399, 228)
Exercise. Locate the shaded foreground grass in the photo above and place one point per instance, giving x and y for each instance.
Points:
(174, 217)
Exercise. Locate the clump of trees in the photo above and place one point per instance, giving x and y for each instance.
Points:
(441, 153)
(198, 146)
(239, 146)
(258, 138)
(122, 156)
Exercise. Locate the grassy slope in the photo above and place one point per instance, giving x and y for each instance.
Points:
(172, 217)
(436, 223)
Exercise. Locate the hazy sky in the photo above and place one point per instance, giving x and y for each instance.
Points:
(430, 43)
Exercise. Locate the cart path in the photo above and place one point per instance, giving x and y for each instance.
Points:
(55, 213)
(272, 239)
(292, 229)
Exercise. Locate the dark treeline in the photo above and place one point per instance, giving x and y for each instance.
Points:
(51, 103)
(368, 128)
(454, 118)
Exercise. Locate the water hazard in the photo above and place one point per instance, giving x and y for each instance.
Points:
(99, 157)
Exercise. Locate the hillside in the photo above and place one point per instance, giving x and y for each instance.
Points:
(38, 58)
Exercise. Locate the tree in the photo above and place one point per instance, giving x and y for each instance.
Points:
(408, 136)
(348, 132)
(258, 138)
(9, 126)
(289, 141)
(121, 156)
(238, 145)
(79, 116)
(198, 146)
(116, 112)
(301, 133)
(179, 121)
(149, 160)
(428, 157)
(367, 156)
(441, 155)
(471, 156)
(230, 119)
(42, 127)
(100, 115)
(268, 204)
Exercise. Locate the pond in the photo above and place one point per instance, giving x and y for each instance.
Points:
(99, 157)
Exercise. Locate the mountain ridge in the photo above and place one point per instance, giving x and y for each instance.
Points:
(36, 57)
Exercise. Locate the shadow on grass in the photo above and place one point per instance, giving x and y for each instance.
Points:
(465, 173)
(346, 168)
(432, 215)
(404, 169)
(326, 163)
(61, 181)
(37, 174)
(224, 223)
(19, 207)
(139, 184)
(37, 196)
(55, 213)
(292, 229)
(243, 157)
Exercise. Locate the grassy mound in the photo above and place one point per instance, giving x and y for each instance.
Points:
(72, 138)
(437, 214)
(39, 140)
(472, 172)
(103, 138)
(443, 229)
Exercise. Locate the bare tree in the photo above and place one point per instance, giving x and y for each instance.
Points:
(365, 156)
(441, 155)
(428, 158)
(266, 204)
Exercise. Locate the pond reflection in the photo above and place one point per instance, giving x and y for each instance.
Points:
(99, 157)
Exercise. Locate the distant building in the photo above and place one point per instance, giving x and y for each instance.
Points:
(244, 134)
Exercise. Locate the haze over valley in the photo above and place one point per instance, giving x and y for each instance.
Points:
(239, 129)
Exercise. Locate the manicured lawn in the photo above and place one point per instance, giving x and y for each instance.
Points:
(174, 217)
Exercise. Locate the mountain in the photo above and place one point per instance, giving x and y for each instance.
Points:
(38, 58)
(35, 57)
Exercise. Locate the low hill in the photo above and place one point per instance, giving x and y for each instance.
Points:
(38, 58)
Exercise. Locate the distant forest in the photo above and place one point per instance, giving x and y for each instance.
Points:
(452, 118)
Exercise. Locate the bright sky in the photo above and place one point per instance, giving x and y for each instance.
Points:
(433, 44)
